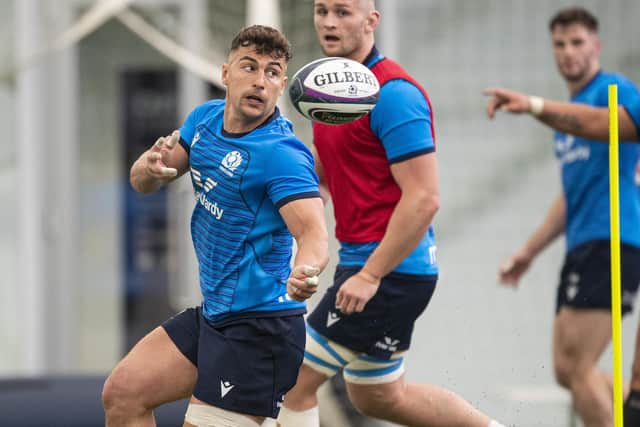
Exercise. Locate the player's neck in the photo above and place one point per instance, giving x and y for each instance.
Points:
(361, 54)
(576, 86)
(235, 123)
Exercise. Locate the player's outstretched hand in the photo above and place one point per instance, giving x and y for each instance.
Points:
(355, 293)
(303, 282)
(514, 267)
(506, 100)
(158, 155)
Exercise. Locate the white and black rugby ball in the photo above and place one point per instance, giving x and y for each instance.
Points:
(334, 90)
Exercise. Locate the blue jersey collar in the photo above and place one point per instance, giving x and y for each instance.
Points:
(373, 57)
(272, 117)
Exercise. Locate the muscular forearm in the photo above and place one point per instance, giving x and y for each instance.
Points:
(322, 185)
(407, 226)
(552, 227)
(305, 220)
(313, 248)
(576, 119)
(585, 121)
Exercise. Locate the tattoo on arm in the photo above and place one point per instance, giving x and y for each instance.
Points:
(563, 122)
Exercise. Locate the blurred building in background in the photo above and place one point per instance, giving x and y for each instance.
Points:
(87, 266)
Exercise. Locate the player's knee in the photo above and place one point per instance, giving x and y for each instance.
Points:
(564, 371)
(303, 394)
(376, 401)
(570, 371)
(119, 392)
(566, 362)
(309, 380)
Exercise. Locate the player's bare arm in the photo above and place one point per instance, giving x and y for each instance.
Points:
(305, 220)
(586, 121)
(553, 226)
(322, 184)
(165, 161)
(573, 118)
(420, 200)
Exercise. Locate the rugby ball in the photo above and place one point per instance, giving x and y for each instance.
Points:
(334, 90)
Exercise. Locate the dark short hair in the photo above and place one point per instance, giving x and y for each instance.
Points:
(267, 41)
(574, 15)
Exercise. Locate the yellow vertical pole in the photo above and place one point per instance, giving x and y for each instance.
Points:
(614, 202)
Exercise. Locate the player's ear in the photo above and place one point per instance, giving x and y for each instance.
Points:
(598, 45)
(225, 74)
(284, 85)
(373, 19)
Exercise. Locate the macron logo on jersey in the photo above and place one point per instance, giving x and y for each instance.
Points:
(225, 387)
(195, 139)
(231, 162)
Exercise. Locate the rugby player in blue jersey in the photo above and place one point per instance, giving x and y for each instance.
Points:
(582, 328)
(238, 353)
(381, 174)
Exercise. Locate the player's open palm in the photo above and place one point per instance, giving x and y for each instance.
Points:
(506, 100)
(514, 267)
(355, 293)
(159, 155)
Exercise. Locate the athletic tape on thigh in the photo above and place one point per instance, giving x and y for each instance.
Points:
(210, 416)
(371, 370)
(325, 356)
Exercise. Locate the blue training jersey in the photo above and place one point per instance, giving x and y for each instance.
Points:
(240, 181)
(585, 171)
(401, 120)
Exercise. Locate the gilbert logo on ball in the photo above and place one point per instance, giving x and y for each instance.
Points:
(334, 90)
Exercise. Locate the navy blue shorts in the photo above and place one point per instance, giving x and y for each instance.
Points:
(585, 280)
(386, 324)
(244, 365)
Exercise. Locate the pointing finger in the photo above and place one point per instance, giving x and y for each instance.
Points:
(159, 142)
(506, 266)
